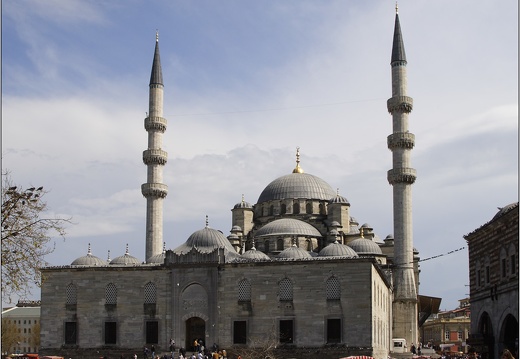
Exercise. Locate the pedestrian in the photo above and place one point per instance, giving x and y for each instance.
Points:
(172, 345)
(412, 349)
(145, 352)
(153, 351)
(506, 354)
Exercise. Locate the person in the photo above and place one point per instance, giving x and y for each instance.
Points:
(412, 349)
(153, 351)
(506, 354)
(195, 345)
(145, 352)
(172, 345)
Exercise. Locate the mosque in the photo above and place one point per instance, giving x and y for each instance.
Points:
(296, 273)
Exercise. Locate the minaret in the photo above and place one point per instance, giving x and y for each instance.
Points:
(155, 158)
(401, 177)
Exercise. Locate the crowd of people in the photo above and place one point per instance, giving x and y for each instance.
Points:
(198, 351)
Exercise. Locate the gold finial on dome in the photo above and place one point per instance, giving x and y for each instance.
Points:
(156, 35)
(207, 221)
(396, 8)
(362, 234)
(297, 169)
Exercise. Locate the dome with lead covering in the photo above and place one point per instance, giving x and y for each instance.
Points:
(206, 240)
(255, 255)
(337, 249)
(297, 185)
(365, 246)
(89, 260)
(125, 259)
(287, 226)
(294, 252)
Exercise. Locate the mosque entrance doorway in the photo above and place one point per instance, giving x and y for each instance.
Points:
(195, 330)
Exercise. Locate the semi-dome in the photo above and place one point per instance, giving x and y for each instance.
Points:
(287, 226)
(294, 252)
(337, 249)
(89, 260)
(206, 240)
(297, 185)
(255, 255)
(365, 246)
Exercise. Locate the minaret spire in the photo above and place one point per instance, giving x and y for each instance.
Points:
(155, 158)
(401, 177)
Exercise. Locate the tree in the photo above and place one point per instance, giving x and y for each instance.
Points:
(10, 335)
(26, 233)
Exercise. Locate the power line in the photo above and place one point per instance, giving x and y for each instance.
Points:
(442, 255)
(275, 109)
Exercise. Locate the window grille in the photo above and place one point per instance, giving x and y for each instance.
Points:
(333, 289)
(150, 293)
(111, 294)
(285, 289)
(244, 290)
(72, 295)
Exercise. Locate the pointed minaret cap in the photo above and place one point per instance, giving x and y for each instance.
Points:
(398, 53)
(156, 76)
(297, 169)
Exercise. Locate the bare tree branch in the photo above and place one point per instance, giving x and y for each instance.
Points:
(26, 235)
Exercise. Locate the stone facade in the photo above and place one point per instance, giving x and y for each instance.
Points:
(493, 276)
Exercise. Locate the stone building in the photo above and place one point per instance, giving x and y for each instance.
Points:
(493, 276)
(448, 331)
(21, 328)
(297, 271)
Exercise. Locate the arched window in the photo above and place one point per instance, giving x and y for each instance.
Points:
(266, 246)
(271, 210)
(150, 293)
(322, 209)
(244, 290)
(308, 208)
(333, 289)
(111, 294)
(296, 207)
(279, 244)
(72, 294)
(283, 209)
(285, 289)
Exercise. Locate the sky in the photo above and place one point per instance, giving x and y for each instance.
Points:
(246, 83)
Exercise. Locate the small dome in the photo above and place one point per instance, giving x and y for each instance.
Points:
(337, 249)
(365, 246)
(333, 232)
(504, 210)
(339, 199)
(125, 259)
(236, 228)
(389, 239)
(157, 259)
(294, 252)
(243, 204)
(232, 236)
(287, 226)
(255, 255)
(335, 224)
(206, 240)
(89, 260)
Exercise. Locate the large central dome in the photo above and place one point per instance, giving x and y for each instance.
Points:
(297, 185)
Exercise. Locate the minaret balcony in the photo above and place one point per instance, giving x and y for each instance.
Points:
(155, 157)
(400, 104)
(155, 123)
(159, 190)
(402, 175)
(401, 140)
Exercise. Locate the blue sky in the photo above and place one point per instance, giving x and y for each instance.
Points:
(246, 82)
